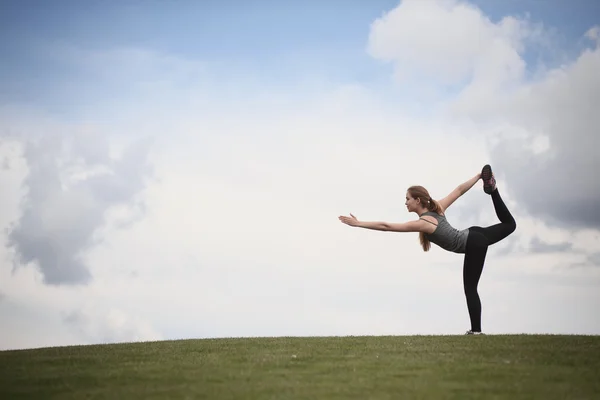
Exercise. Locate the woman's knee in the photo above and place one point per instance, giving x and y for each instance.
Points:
(471, 291)
(512, 225)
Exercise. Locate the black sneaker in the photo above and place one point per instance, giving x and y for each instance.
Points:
(489, 182)
(471, 332)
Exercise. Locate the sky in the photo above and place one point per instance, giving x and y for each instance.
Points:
(176, 170)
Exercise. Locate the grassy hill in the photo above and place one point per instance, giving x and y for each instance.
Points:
(391, 367)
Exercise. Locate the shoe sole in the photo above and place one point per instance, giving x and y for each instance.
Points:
(486, 175)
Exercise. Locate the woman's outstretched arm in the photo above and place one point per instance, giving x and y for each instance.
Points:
(464, 187)
(459, 191)
(411, 226)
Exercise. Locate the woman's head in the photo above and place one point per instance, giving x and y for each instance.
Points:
(418, 200)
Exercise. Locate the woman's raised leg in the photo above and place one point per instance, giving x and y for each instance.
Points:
(507, 224)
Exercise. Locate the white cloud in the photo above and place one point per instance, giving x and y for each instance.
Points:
(109, 326)
(245, 224)
(546, 141)
(450, 42)
(542, 133)
(593, 33)
(71, 182)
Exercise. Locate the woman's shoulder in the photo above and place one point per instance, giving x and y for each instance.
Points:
(433, 214)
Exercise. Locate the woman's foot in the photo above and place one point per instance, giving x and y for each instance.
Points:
(489, 182)
(472, 332)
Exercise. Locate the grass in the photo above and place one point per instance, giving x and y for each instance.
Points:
(392, 367)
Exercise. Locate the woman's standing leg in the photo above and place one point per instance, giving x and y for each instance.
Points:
(476, 251)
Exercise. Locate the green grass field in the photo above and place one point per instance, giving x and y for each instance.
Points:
(391, 367)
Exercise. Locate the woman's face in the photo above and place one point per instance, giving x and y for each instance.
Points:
(411, 203)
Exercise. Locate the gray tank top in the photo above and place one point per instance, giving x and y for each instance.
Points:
(447, 237)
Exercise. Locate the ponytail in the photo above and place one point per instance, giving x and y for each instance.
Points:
(435, 207)
(419, 192)
(424, 241)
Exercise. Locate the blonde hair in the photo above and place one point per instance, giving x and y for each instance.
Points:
(419, 192)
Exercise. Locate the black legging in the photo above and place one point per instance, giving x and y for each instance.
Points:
(477, 244)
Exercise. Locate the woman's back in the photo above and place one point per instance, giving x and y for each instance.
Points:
(446, 236)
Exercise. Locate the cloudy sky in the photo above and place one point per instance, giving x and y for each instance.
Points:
(176, 169)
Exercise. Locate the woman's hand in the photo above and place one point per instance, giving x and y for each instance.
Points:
(351, 220)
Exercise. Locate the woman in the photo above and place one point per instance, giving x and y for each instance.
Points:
(433, 227)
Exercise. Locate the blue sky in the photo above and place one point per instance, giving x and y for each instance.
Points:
(234, 36)
(276, 43)
(573, 18)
